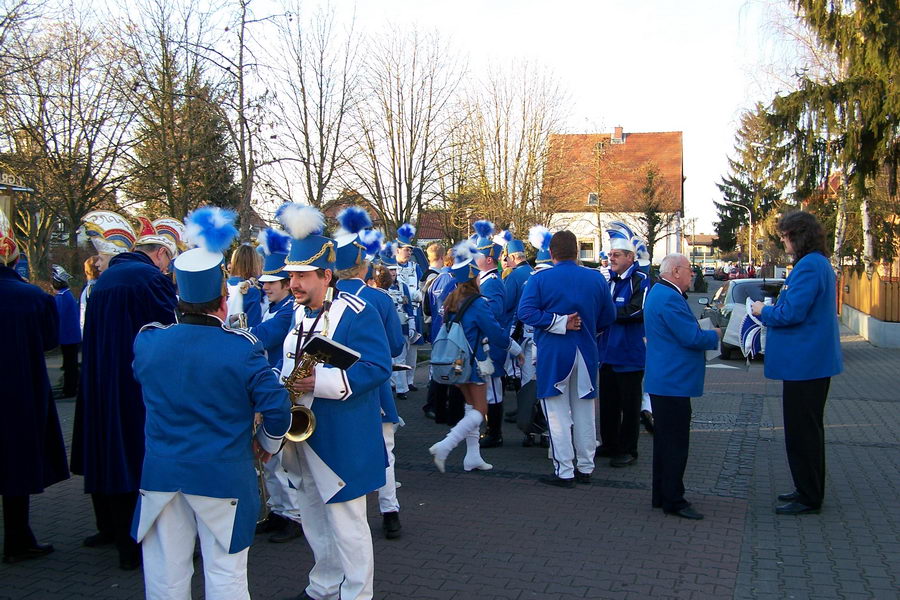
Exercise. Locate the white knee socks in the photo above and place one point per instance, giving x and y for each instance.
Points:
(469, 423)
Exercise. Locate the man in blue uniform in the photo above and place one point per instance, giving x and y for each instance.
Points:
(491, 286)
(622, 360)
(352, 261)
(410, 273)
(568, 306)
(202, 384)
(32, 453)
(676, 367)
(108, 436)
(516, 274)
(344, 458)
(69, 331)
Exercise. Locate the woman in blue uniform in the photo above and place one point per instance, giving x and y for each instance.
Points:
(244, 295)
(478, 323)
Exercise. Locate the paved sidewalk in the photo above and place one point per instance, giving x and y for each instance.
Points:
(501, 534)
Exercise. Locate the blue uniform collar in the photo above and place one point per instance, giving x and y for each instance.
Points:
(613, 276)
(276, 306)
(674, 287)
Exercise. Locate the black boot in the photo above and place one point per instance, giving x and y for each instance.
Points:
(291, 531)
(391, 525)
(493, 437)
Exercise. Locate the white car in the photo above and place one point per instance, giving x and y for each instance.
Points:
(709, 271)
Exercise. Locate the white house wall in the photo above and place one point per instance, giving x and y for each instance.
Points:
(584, 226)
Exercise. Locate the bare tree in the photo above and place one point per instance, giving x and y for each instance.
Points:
(404, 122)
(650, 213)
(314, 74)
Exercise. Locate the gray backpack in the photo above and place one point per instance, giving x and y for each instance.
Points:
(451, 355)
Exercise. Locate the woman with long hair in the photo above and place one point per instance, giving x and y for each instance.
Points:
(803, 349)
(479, 324)
(244, 295)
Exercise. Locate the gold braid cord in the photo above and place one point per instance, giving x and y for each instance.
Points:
(327, 247)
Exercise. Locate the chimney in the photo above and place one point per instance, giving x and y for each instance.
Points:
(617, 136)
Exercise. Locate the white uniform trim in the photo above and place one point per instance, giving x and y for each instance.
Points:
(216, 513)
(558, 325)
(331, 383)
(155, 325)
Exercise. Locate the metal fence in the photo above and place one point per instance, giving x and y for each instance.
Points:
(878, 296)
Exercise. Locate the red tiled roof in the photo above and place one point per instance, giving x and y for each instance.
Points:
(702, 239)
(573, 170)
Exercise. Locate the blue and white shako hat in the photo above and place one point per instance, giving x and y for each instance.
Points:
(405, 235)
(464, 267)
(621, 237)
(604, 255)
(356, 243)
(274, 247)
(310, 250)
(485, 244)
(539, 237)
(387, 256)
(200, 272)
(512, 244)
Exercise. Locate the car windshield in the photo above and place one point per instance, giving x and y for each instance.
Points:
(756, 291)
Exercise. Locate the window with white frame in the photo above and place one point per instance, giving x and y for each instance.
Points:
(586, 249)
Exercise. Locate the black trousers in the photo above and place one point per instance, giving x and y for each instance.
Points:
(447, 402)
(671, 442)
(803, 405)
(69, 369)
(113, 514)
(620, 411)
(17, 534)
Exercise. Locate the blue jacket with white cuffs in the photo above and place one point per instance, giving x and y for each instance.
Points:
(202, 384)
(274, 327)
(551, 295)
(492, 289)
(625, 349)
(803, 339)
(676, 359)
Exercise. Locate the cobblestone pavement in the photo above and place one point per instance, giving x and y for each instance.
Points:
(501, 534)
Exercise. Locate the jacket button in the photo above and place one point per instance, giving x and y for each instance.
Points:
(233, 502)
(340, 484)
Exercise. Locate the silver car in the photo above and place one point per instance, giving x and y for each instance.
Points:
(736, 291)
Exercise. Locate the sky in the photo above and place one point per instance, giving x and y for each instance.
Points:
(645, 65)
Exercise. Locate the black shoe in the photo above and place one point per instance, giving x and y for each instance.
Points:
(290, 532)
(647, 420)
(685, 513)
(429, 414)
(604, 452)
(545, 440)
(36, 551)
(391, 525)
(401, 396)
(557, 481)
(413, 388)
(528, 442)
(582, 477)
(130, 563)
(511, 416)
(622, 460)
(789, 497)
(490, 441)
(271, 524)
(97, 540)
(795, 508)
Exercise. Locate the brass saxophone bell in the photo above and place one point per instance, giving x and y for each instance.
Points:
(303, 424)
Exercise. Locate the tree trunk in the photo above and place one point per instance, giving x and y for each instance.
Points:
(868, 251)
(840, 221)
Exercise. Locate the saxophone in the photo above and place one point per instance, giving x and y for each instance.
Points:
(303, 421)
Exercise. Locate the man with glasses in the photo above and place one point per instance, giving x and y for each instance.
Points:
(108, 437)
(676, 366)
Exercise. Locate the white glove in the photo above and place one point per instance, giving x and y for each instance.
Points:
(514, 348)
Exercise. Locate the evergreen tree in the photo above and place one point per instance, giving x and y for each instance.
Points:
(756, 180)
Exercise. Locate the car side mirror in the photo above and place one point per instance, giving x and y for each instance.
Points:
(703, 300)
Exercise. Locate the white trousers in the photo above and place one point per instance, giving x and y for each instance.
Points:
(412, 357)
(573, 432)
(495, 390)
(283, 499)
(168, 550)
(645, 403)
(399, 379)
(341, 541)
(387, 494)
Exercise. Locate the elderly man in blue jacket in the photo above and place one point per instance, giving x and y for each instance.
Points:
(675, 370)
(568, 306)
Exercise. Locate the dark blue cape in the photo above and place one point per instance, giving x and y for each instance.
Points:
(108, 436)
(32, 451)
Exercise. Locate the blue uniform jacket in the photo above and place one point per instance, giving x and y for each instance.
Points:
(514, 284)
(202, 385)
(440, 288)
(271, 332)
(69, 317)
(676, 362)
(565, 289)
(417, 312)
(32, 452)
(625, 348)
(108, 434)
(803, 340)
(348, 436)
(479, 322)
(382, 303)
(252, 302)
(492, 289)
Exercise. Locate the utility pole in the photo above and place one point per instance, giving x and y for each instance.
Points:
(750, 235)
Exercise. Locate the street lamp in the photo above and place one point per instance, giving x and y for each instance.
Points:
(750, 235)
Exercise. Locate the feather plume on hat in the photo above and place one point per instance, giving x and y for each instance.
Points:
(372, 240)
(484, 229)
(300, 221)
(354, 219)
(211, 228)
(274, 242)
(503, 238)
(539, 237)
(464, 251)
(406, 231)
